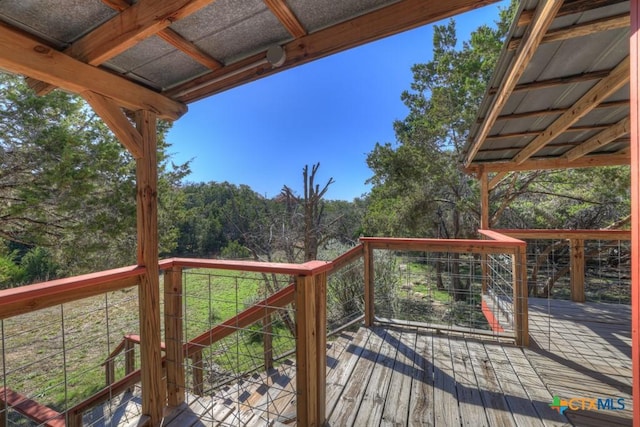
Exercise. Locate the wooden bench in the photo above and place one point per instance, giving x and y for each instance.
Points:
(29, 408)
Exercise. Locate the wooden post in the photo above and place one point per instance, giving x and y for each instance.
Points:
(197, 372)
(306, 352)
(129, 356)
(634, 51)
(267, 341)
(110, 373)
(484, 224)
(173, 336)
(153, 395)
(369, 280)
(577, 270)
(520, 297)
(321, 344)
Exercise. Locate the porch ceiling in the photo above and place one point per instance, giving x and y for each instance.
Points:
(180, 51)
(559, 97)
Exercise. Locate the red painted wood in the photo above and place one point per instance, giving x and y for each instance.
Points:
(491, 319)
(307, 269)
(242, 320)
(634, 51)
(31, 409)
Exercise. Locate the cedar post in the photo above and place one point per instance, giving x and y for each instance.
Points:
(577, 270)
(634, 51)
(173, 335)
(484, 224)
(129, 356)
(197, 370)
(306, 352)
(369, 280)
(520, 297)
(321, 343)
(153, 396)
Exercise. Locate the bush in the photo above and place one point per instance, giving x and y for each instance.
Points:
(235, 250)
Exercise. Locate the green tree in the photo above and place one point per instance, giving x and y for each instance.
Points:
(67, 184)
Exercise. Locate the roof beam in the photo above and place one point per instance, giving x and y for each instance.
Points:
(569, 7)
(585, 128)
(618, 77)
(545, 13)
(134, 24)
(620, 158)
(395, 18)
(542, 84)
(555, 111)
(22, 54)
(581, 30)
(174, 39)
(286, 17)
(603, 138)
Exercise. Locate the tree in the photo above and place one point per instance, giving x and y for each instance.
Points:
(67, 184)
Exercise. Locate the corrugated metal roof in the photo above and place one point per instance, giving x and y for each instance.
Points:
(189, 49)
(538, 101)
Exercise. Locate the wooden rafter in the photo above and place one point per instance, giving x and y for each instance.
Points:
(603, 138)
(286, 16)
(620, 158)
(174, 39)
(22, 54)
(545, 13)
(557, 111)
(618, 77)
(533, 133)
(400, 16)
(569, 7)
(134, 24)
(542, 84)
(581, 30)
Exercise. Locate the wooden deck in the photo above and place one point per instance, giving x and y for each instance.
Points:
(409, 377)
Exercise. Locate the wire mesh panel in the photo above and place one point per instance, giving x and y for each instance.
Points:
(241, 346)
(59, 356)
(435, 289)
(345, 295)
(606, 270)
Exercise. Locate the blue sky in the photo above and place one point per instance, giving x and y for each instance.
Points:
(331, 111)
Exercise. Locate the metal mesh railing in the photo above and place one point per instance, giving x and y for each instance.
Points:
(242, 370)
(57, 357)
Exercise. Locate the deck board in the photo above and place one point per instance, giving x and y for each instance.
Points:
(406, 376)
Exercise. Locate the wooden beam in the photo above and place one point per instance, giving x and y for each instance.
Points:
(620, 158)
(286, 17)
(21, 54)
(542, 84)
(539, 132)
(603, 138)
(119, 124)
(189, 49)
(174, 39)
(569, 7)
(598, 93)
(634, 52)
(395, 18)
(484, 200)
(134, 24)
(153, 391)
(173, 332)
(545, 13)
(497, 179)
(557, 111)
(581, 30)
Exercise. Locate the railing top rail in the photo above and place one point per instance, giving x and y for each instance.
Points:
(444, 245)
(497, 236)
(583, 234)
(307, 269)
(29, 298)
(348, 257)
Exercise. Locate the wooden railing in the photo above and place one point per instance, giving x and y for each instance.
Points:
(307, 292)
(575, 240)
(496, 243)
